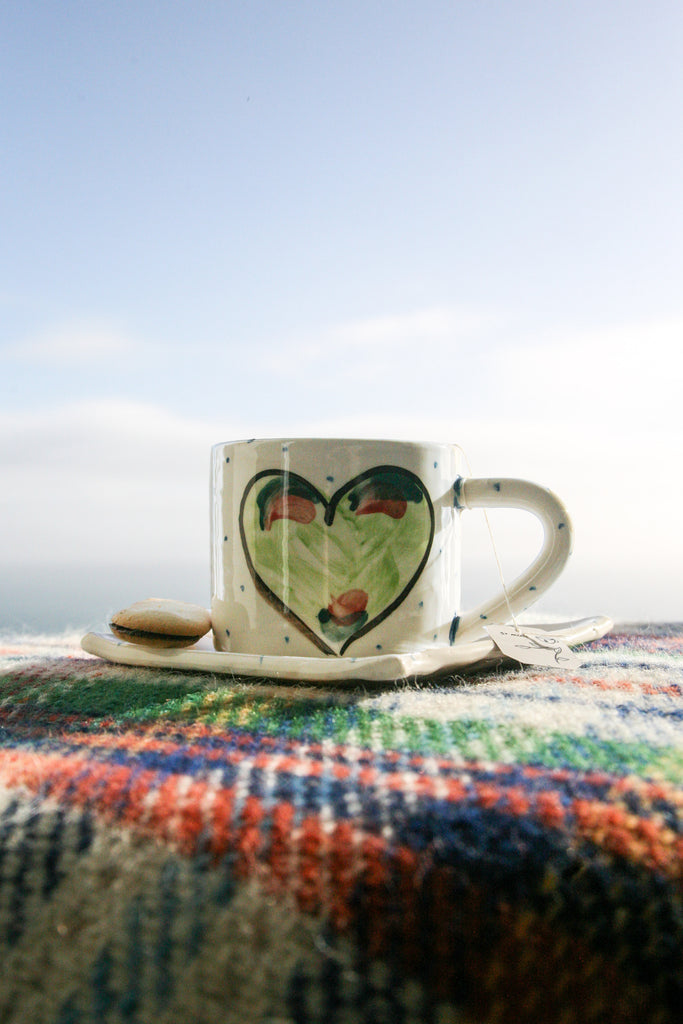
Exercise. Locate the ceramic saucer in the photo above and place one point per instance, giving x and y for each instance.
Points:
(378, 669)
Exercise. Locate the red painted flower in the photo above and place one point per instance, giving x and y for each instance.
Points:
(289, 506)
(347, 608)
(395, 509)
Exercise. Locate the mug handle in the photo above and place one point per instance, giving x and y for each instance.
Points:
(556, 548)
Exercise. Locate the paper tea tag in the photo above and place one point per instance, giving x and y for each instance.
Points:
(533, 647)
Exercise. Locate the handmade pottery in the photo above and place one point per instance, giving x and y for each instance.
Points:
(340, 548)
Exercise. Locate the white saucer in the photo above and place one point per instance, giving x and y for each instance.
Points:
(380, 669)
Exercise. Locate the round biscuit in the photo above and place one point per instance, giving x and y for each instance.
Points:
(161, 622)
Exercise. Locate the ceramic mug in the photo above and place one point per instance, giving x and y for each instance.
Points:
(350, 548)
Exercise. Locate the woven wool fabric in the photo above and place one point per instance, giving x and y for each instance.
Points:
(499, 847)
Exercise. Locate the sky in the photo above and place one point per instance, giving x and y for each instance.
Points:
(458, 221)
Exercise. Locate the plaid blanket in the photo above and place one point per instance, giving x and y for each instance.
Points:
(181, 847)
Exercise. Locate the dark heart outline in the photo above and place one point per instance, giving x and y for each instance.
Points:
(330, 508)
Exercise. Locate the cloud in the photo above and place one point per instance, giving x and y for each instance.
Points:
(624, 375)
(107, 481)
(75, 342)
(113, 437)
(378, 339)
(434, 324)
(619, 378)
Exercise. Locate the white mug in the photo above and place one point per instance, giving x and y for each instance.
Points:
(351, 548)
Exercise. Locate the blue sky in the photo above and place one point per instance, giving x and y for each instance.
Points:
(456, 220)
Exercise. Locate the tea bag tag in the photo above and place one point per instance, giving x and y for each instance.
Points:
(533, 646)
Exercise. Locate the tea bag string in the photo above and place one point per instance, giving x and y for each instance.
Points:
(493, 543)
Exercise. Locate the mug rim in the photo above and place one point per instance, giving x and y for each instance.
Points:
(285, 439)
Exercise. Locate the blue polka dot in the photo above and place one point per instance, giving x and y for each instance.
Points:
(532, 588)
(483, 616)
(421, 604)
(560, 526)
(454, 629)
(435, 465)
(228, 459)
(330, 479)
(242, 587)
(378, 647)
(225, 538)
(227, 632)
(286, 639)
(496, 487)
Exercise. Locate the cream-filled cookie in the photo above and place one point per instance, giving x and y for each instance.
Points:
(159, 622)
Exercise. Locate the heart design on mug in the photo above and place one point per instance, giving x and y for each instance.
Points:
(336, 566)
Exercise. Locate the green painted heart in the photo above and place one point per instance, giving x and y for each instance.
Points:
(336, 566)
